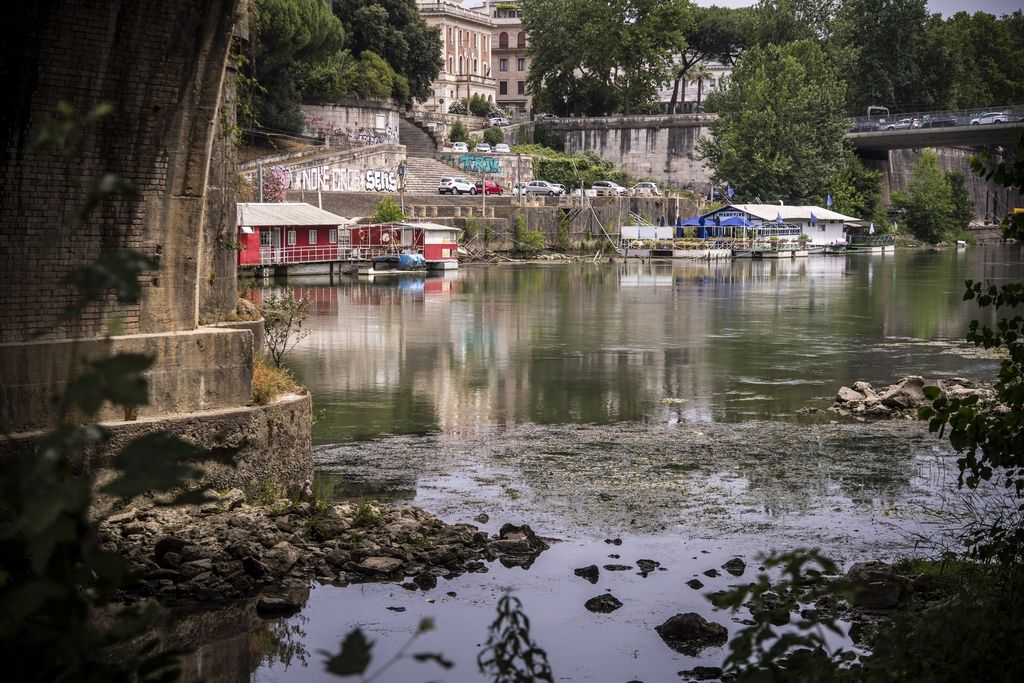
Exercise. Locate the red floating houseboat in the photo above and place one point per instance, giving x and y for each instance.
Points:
(297, 236)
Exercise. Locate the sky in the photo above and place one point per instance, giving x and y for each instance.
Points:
(946, 7)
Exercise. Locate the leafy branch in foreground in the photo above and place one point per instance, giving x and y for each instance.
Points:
(356, 654)
(510, 655)
(760, 653)
(54, 574)
(990, 438)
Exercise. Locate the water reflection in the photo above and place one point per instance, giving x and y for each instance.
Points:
(670, 341)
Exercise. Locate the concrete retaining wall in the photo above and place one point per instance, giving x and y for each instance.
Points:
(183, 378)
(368, 169)
(352, 121)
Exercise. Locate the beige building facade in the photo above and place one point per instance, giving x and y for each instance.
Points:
(511, 63)
(466, 45)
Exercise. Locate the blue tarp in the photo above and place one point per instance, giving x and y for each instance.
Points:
(737, 221)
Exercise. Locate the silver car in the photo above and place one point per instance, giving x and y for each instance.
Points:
(990, 117)
(542, 187)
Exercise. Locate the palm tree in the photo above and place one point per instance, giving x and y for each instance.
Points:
(699, 72)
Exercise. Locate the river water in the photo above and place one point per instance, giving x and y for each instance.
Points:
(656, 403)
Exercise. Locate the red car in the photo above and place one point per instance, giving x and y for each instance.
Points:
(489, 188)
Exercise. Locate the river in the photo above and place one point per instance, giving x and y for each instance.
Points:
(654, 403)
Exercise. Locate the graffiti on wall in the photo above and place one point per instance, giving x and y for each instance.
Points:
(334, 179)
(472, 162)
(317, 126)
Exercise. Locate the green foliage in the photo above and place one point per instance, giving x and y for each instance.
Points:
(387, 212)
(530, 241)
(374, 77)
(268, 493)
(470, 229)
(987, 57)
(780, 127)
(582, 169)
(960, 196)
(717, 34)
(857, 191)
(458, 132)
(546, 136)
(283, 316)
(927, 201)
(990, 438)
(292, 41)
(478, 106)
(510, 655)
(564, 243)
(759, 652)
(494, 136)
(396, 31)
(458, 107)
(366, 516)
(521, 136)
(270, 381)
(599, 57)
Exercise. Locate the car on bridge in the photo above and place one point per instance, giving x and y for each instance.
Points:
(546, 116)
(542, 187)
(903, 124)
(990, 117)
(487, 187)
(498, 121)
(864, 127)
(455, 186)
(940, 121)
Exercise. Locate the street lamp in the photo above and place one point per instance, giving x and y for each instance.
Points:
(401, 184)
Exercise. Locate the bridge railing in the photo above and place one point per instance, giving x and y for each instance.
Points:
(937, 118)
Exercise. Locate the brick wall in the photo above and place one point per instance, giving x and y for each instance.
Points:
(160, 64)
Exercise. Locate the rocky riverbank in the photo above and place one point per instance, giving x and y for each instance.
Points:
(902, 399)
(233, 548)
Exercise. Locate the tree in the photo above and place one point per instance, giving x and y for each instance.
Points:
(780, 129)
(716, 34)
(374, 77)
(613, 47)
(857, 191)
(290, 39)
(478, 105)
(963, 205)
(777, 22)
(458, 132)
(494, 136)
(988, 58)
(283, 316)
(892, 53)
(927, 201)
(397, 32)
(387, 212)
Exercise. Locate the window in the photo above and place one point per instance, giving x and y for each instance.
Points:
(521, 64)
(312, 236)
(503, 88)
(503, 41)
(475, 70)
(521, 39)
(521, 87)
(502, 65)
(291, 238)
(332, 236)
(460, 35)
(451, 64)
(266, 238)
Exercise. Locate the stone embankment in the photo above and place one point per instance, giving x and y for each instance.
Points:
(902, 399)
(231, 549)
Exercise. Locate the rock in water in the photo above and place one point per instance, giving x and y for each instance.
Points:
(907, 393)
(878, 586)
(273, 607)
(690, 633)
(589, 573)
(695, 584)
(848, 395)
(379, 565)
(603, 604)
(735, 566)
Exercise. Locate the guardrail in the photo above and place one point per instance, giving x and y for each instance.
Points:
(270, 256)
(934, 119)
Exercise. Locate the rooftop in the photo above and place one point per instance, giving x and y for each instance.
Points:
(253, 214)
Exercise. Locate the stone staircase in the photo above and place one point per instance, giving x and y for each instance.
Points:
(418, 140)
(423, 175)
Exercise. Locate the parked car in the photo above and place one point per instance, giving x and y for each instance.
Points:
(606, 188)
(482, 148)
(518, 189)
(940, 121)
(990, 117)
(501, 148)
(455, 186)
(645, 189)
(460, 147)
(498, 121)
(487, 187)
(545, 116)
(561, 188)
(542, 187)
(903, 124)
(864, 127)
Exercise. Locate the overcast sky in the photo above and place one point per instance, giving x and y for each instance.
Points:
(946, 7)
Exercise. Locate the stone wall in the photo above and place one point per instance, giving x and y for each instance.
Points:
(371, 169)
(161, 67)
(352, 122)
(662, 148)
